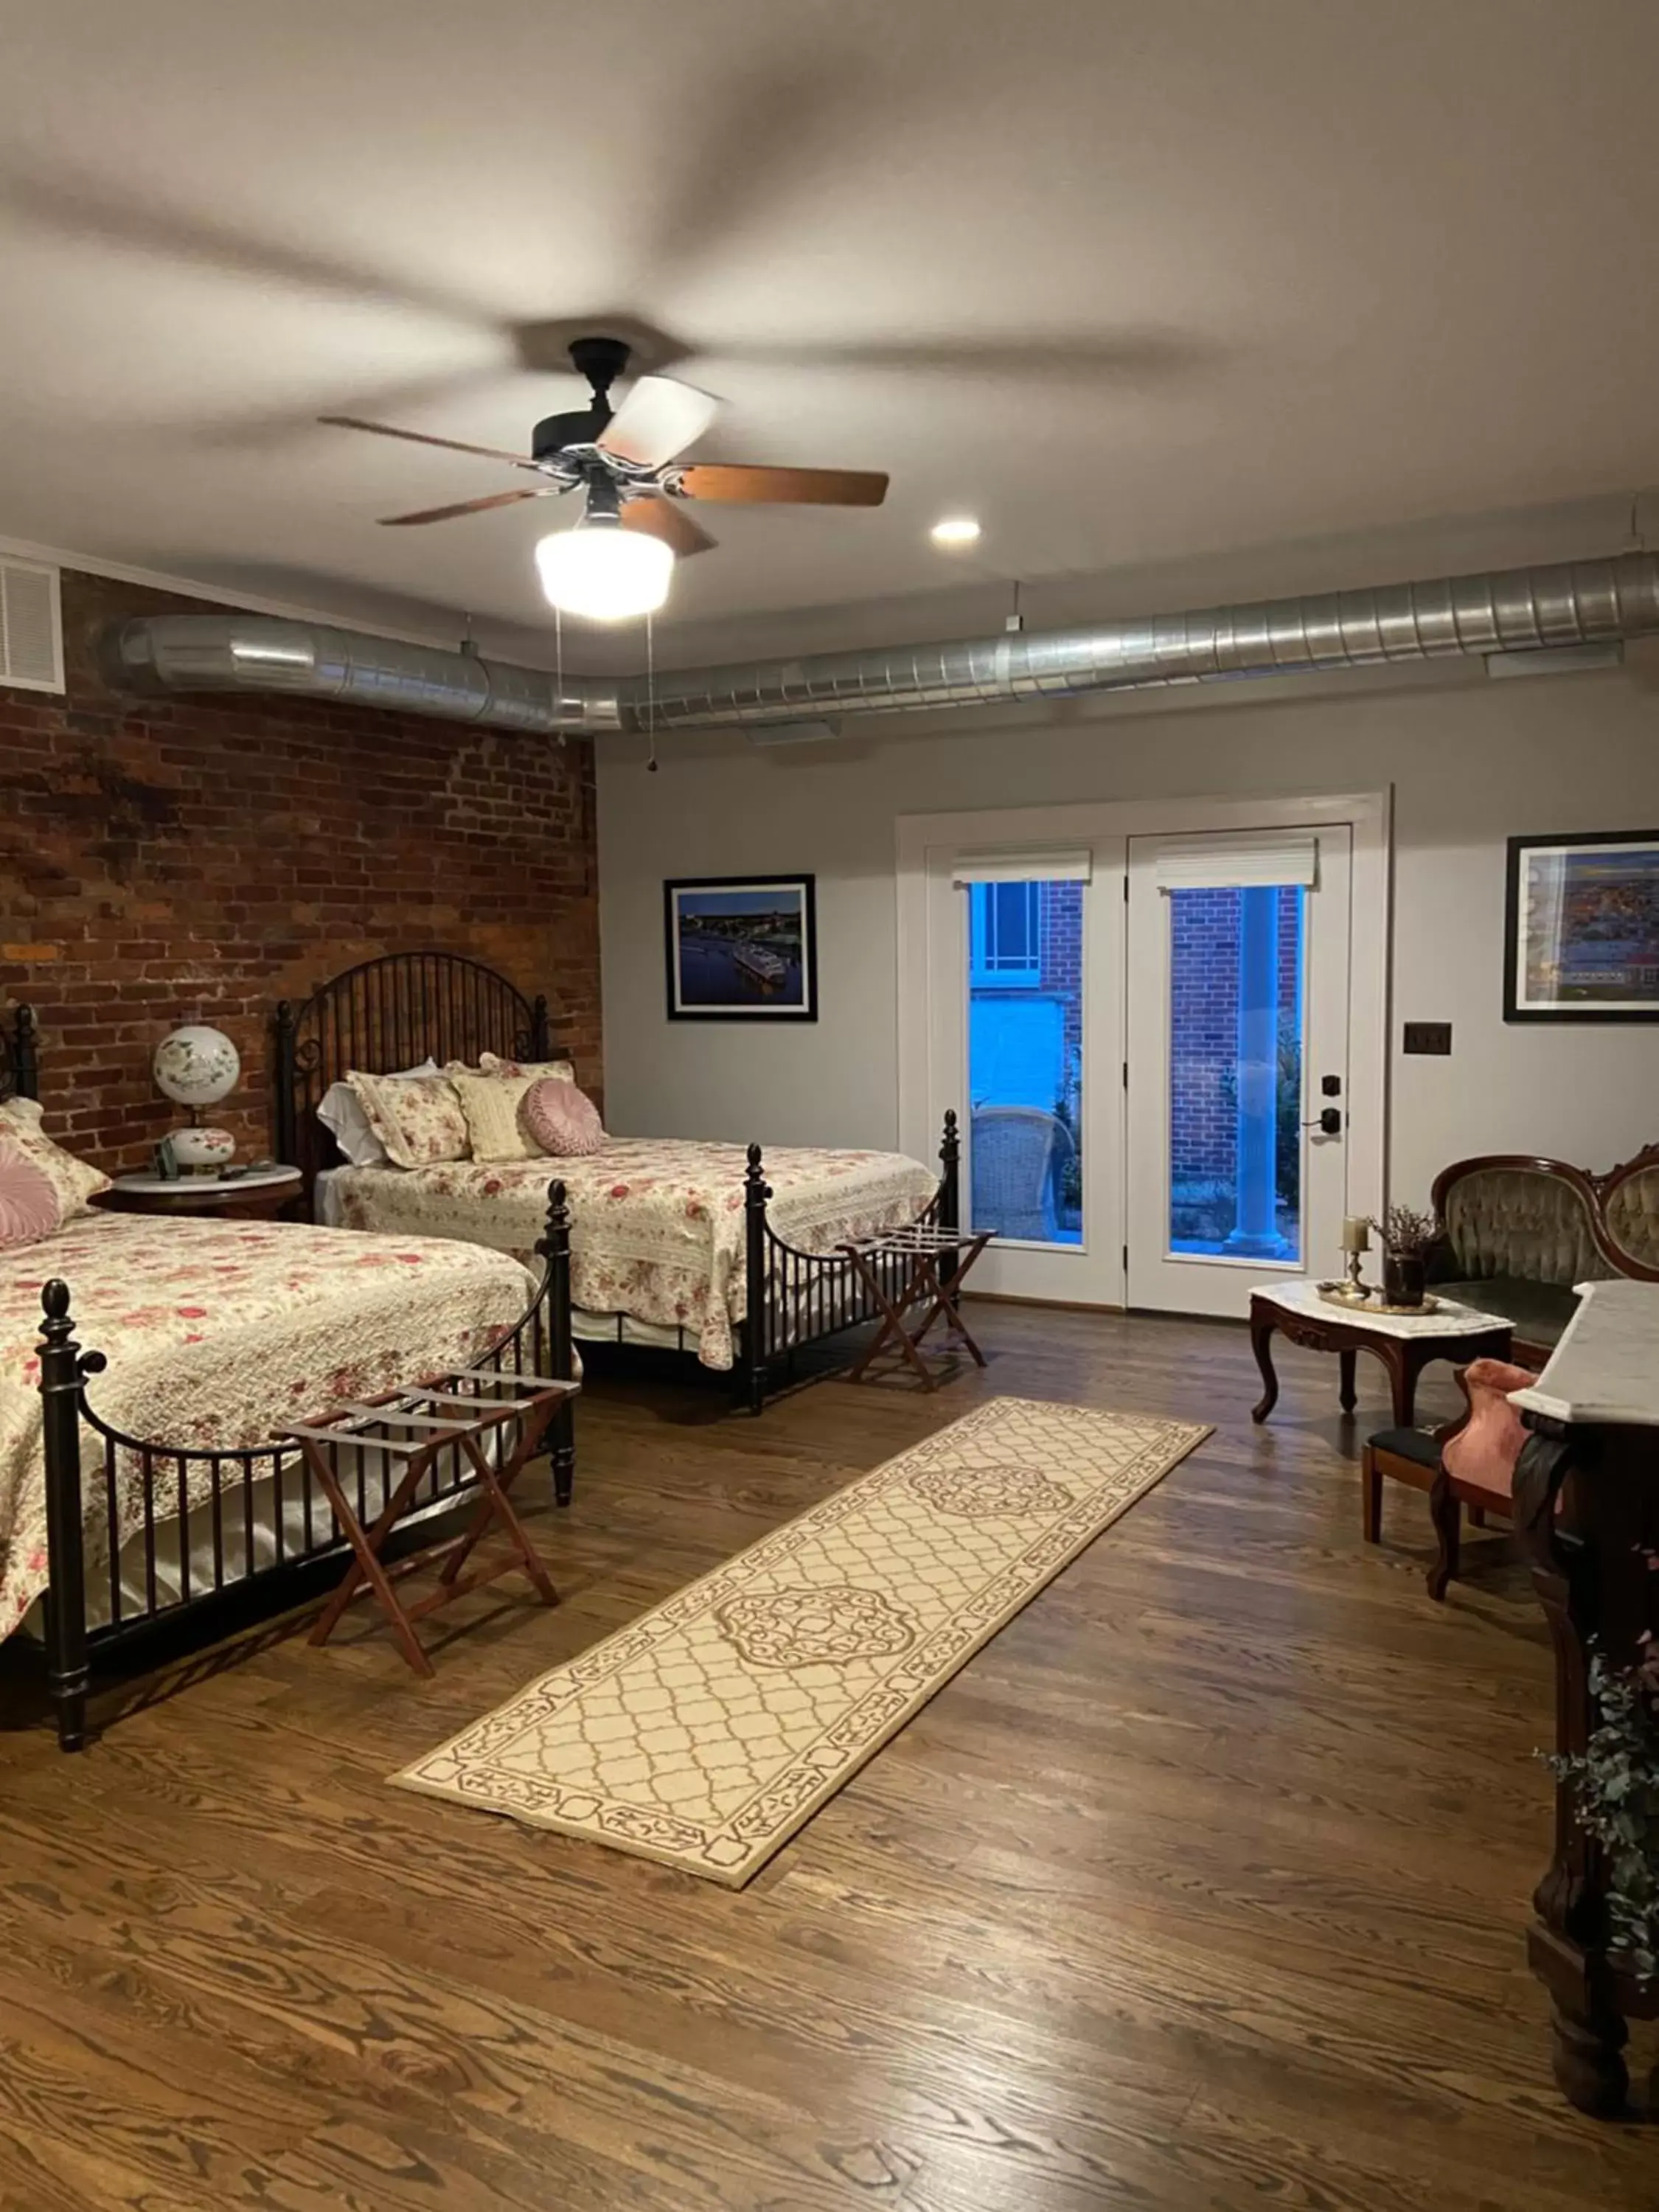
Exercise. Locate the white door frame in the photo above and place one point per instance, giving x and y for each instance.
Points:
(925, 841)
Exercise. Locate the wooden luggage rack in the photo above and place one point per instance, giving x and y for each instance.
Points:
(932, 1263)
(498, 1421)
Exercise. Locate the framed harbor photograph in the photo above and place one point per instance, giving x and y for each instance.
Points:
(1582, 928)
(741, 948)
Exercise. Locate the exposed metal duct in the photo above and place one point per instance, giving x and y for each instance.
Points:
(1510, 610)
(164, 654)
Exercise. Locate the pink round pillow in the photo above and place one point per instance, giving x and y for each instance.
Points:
(562, 1119)
(30, 1206)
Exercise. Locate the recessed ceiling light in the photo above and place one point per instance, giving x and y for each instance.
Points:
(955, 530)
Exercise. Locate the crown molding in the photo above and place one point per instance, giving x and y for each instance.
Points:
(158, 580)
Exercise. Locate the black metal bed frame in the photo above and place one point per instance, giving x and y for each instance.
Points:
(397, 1011)
(174, 1482)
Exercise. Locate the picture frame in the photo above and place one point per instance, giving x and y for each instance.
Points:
(1581, 927)
(741, 948)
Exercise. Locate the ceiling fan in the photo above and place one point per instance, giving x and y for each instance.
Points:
(622, 551)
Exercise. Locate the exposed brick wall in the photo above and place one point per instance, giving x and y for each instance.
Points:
(1062, 959)
(168, 860)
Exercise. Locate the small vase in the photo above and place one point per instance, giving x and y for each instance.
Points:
(1403, 1277)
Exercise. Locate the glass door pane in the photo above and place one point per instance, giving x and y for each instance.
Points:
(1235, 1072)
(1025, 1060)
(1238, 1034)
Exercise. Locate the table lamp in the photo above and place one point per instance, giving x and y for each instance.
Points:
(198, 1066)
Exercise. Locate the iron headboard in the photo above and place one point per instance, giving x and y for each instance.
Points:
(20, 1057)
(387, 1014)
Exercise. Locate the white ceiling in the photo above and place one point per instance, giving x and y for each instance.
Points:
(1134, 280)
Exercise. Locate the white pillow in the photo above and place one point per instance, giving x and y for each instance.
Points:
(342, 1114)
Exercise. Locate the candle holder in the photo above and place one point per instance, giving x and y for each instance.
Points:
(1356, 1242)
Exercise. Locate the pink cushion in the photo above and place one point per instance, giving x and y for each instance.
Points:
(562, 1119)
(31, 1206)
(1483, 1453)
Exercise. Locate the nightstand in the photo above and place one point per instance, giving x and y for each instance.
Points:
(253, 1197)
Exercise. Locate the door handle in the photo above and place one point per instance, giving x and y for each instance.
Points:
(1328, 1121)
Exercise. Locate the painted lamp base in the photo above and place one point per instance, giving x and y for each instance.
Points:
(202, 1151)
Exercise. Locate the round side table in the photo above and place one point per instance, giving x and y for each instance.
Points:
(253, 1197)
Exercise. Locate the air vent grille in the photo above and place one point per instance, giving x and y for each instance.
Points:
(31, 626)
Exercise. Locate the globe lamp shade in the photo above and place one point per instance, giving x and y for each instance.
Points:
(196, 1066)
(603, 573)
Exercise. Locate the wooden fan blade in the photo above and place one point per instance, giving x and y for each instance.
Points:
(803, 487)
(660, 417)
(671, 524)
(463, 507)
(420, 438)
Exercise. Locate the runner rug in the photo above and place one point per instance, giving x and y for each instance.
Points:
(705, 1734)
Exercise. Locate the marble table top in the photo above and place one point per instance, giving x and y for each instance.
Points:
(201, 1185)
(1606, 1368)
(1300, 1294)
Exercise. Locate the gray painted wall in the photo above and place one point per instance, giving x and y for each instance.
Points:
(1470, 760)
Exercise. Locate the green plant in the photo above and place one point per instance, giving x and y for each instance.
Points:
(1615, 1786)
(1067, 1113)
(1287, 1114)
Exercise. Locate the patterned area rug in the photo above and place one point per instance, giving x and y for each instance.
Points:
(707, 1733)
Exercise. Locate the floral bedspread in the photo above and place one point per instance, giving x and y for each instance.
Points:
(218, 1332)
(657, 1223)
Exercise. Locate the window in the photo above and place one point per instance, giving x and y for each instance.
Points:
(1005, 933)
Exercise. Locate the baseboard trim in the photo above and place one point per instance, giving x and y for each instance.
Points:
(1055, 1305)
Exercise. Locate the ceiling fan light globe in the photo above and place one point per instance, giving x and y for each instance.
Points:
(605, 574)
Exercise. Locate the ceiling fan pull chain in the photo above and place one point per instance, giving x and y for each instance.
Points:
(558, 659)
(651, 694)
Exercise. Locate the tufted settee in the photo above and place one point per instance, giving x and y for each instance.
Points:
(1520, 1232)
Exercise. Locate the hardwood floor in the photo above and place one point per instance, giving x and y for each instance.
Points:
(1203, 1886)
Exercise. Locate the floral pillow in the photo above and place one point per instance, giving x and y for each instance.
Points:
(491, 1103)
(342, 1114)
(31, 1205)
(75, 1180)
(417, 1118)
(562, 1119)
(491, 1063)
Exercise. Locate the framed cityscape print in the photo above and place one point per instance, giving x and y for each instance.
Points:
(741, 948)
(1582, 928)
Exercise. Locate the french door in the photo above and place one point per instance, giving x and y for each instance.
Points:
(1030, 944)
(1162, 1027)
(1237, 1073)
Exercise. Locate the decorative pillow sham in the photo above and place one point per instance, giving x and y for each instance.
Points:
(75, 1180)
(491, 1103)
(342, 1114)
(562, 1071)
(417, 1118)
(564, 1121)
(31, 1205)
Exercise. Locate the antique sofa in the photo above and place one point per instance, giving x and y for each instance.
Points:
(1518, 1233)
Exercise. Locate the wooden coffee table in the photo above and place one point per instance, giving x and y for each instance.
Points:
(1405, 1343)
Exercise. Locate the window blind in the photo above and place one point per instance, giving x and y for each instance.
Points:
(1026, 867)
(1243, 863)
